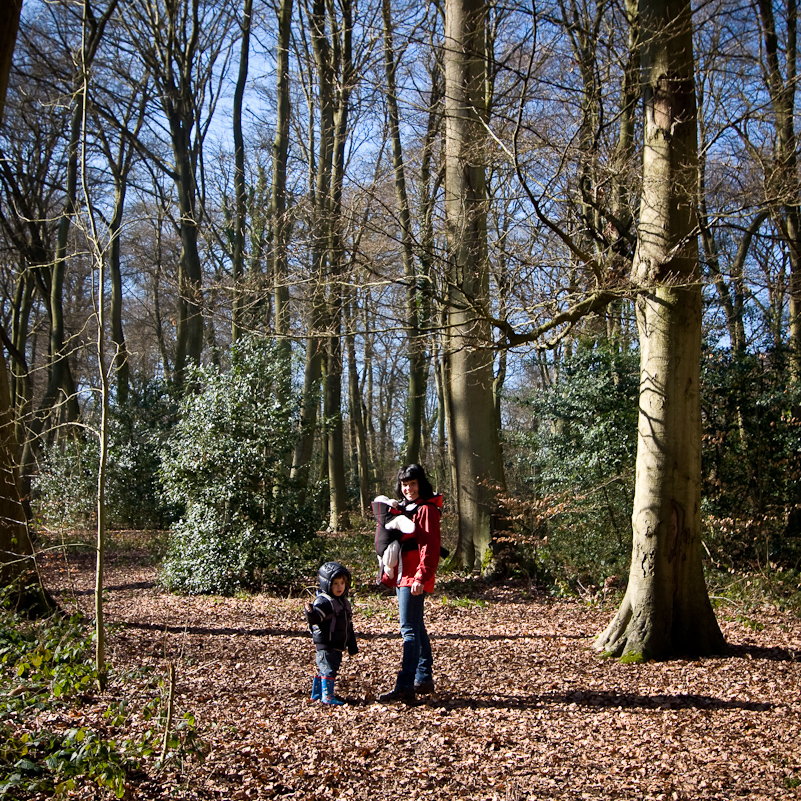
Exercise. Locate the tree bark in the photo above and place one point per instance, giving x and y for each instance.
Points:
(785, 183)
(9, 25)
(666, 610)
(278, 204)
(415, 401)
(17, 566)
(319, 198)
(18, 569)
(240, 190)
(474, 443)
(359, 432)
(180, 44)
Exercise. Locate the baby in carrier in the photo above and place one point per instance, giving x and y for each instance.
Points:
(393, 520)
(391, 523)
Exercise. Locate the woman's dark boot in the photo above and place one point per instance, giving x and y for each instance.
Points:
(405, 694)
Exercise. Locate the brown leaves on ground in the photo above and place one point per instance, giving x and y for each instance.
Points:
(524, 708)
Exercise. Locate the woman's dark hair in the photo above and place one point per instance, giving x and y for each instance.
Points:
(414, 472)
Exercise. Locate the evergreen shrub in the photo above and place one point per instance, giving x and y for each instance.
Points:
(244, 526)
(65, 489)
(751, 460)
(575, 471)
(138, 430)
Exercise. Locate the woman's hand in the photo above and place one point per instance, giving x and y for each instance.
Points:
(417, 587)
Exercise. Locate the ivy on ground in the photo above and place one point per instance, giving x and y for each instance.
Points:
(46, 675)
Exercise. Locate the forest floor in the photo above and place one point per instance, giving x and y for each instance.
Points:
(524, 708)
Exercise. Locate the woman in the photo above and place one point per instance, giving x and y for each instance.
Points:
(420, 551)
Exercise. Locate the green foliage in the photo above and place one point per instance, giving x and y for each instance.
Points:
(752, 461)
(48, 762)
(45, 665)
(66, 486)
(137, 433)
(572, 526)
(464, 603)
(244, 524)
(46, 670)
(746, 591)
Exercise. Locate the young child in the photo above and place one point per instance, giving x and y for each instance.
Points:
(330, 620)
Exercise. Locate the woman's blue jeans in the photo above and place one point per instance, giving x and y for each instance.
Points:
(417, 663)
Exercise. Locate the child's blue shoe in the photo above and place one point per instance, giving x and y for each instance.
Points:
(317, 689)
(328, 692)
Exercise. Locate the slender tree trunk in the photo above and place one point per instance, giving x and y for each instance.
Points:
(156, 295)
(240, 189)
(368, 394)
(21, 380)
(356, 412)
(341, 52)
(121, 363)
(785, 182)
(304, 447)
(189, 327)
(60, 372)
(319, 198)
(279, 201)
(332, 409)
(666, 610)
(103, 376)
(415, 403)
(474, 441)
(100, 553)
(120, 164)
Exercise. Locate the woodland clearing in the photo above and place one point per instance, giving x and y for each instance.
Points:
(524, 708)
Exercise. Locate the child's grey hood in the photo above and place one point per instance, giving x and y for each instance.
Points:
(328, 572)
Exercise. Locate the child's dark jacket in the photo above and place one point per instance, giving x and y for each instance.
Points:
(331, 617)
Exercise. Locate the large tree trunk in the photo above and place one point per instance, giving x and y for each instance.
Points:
(335, 74)
(179, 44)
(474, 445)
(121, 363)
(319, 195)
(342, 65)
(9, 25)
(17, 566)
(666, 610)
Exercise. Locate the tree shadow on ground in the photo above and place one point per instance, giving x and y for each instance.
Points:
(592, 700)
(227, 631)
(772, 654)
